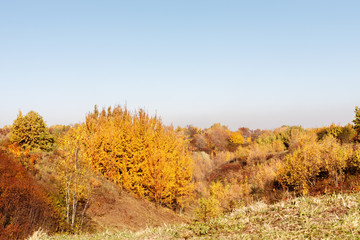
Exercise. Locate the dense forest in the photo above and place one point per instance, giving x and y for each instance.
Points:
(59, 178)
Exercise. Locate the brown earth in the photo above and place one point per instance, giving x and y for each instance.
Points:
(113, 208)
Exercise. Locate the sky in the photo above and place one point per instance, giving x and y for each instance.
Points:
(256, 64)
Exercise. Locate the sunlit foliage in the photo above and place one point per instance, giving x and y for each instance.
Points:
(208, 208)
(312, 161)
(30, 132)
(236, 138)
(140, 154)
(74, 171)
(221, 197)
(345, 134)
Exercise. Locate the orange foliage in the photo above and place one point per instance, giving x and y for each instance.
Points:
(23, 205)
(140, 154)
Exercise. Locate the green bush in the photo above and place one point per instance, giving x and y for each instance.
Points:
(31, 133)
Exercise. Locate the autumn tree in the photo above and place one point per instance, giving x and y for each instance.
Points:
(236, 138)
(140, 154)
(169, 170)
(218, 137)
(74, 170)
(335, 157)
(300, 168)
(313, 160)
(31, 133)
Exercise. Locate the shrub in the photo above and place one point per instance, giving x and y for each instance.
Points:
(299, 138)
(258, 152)
(335, 158)
(221, 192)
(345, 134)
(280, 136)
(313, 161)
(208, 208)
(242, 153)
(264, 176)
(222, 197)
(300, 168)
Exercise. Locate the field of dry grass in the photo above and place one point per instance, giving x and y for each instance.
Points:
(324, 217)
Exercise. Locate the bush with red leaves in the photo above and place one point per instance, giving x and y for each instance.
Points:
(24, 207)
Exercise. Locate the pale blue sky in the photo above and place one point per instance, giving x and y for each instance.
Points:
(258, 64)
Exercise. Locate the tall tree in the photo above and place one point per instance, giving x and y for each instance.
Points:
(74, 170)
(356, 121)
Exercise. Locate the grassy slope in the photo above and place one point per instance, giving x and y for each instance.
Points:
(326, 217)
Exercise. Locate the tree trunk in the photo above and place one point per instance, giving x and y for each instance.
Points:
(74, 203)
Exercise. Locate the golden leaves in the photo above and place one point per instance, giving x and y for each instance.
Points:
(139, 153)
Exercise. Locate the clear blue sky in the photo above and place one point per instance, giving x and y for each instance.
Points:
(258, 64)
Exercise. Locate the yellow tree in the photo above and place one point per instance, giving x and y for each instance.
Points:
(167, 170)
(183, 167)
(302, 167)
(236, 138)
(137, 152)
(159, 174)
(74, 170)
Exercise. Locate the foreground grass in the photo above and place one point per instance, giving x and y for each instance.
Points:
(325, 217)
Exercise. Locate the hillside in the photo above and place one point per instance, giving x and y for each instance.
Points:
(325, 217)
(27, 195)
(109, 206)
(113, 208)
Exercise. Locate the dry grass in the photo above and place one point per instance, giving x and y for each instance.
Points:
(326, 217)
